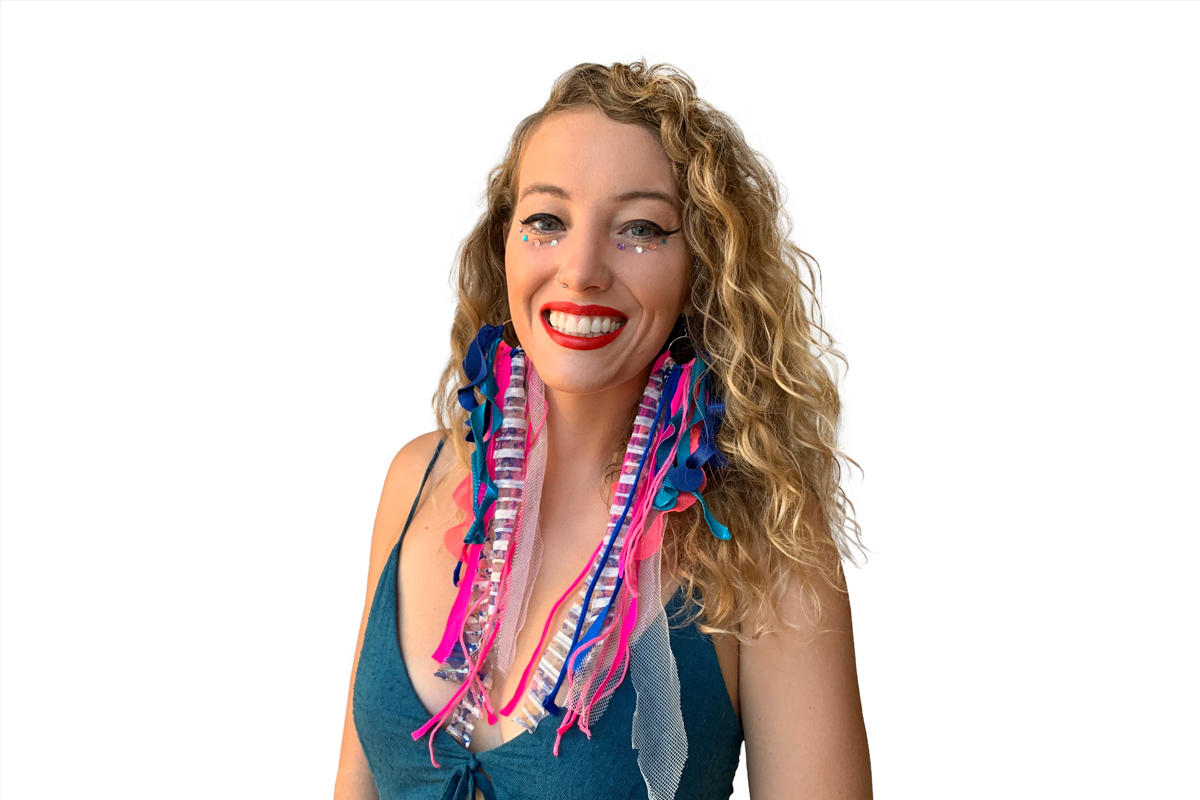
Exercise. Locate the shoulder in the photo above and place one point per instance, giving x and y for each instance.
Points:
(400, 486)
(409, 464)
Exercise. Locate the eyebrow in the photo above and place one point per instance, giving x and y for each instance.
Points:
(624, 197)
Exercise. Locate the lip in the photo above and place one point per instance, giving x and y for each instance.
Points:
(577, 342)
(583, 311)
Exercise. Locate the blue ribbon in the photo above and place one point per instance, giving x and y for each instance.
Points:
(479, 367)
(477, 364)
(598, 624)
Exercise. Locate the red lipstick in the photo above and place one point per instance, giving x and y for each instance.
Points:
(580, 342)
(582, 311)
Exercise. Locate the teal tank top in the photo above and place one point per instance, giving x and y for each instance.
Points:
(386, 712)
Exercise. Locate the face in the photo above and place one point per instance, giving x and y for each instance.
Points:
(595, 201)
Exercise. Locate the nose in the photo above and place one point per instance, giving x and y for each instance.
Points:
(584, 261)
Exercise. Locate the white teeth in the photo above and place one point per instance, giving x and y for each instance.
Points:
(583, 326)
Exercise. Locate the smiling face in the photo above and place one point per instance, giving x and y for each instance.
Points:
(595, 201)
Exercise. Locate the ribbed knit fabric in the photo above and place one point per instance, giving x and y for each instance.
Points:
(387, 710)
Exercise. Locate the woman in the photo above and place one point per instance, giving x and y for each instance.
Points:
(649, 435)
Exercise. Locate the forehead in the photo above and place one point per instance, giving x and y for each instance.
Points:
(585, 152)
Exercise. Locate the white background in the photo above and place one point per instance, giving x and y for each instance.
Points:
(226, 236)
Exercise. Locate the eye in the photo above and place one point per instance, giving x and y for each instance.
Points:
(537, 221)
(643, 230)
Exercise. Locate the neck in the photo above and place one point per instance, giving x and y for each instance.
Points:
(585, 430)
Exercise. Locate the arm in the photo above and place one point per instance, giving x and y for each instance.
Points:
(801, 712)
(354, 780)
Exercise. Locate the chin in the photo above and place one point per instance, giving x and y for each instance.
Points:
(573, 378)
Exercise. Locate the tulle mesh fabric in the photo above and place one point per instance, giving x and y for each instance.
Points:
(603, 574)
(658, 732)
(527, 541)
(584, 696)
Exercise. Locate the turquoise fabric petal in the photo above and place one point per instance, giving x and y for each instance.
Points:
(666, 497)
(718, 530)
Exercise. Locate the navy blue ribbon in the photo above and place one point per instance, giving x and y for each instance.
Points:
(477, 364)
(485, 417)
(575, 657)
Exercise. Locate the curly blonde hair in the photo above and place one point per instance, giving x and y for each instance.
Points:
(752, 289)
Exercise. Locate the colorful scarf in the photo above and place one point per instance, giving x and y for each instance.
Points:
(624, 628)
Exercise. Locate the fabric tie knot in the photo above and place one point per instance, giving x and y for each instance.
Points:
(465, 779)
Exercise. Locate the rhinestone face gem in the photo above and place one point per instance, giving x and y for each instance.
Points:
(554, 242)
(664, 241)
(638, 248)
(536, 243)
(620, 246)
(653, 247)
(525, 238)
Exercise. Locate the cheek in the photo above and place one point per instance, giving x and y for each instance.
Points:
(514, 271)
(521, 280)
(526, 269)
(665, 290)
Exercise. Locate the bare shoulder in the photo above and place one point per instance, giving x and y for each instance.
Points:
(400, 487)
